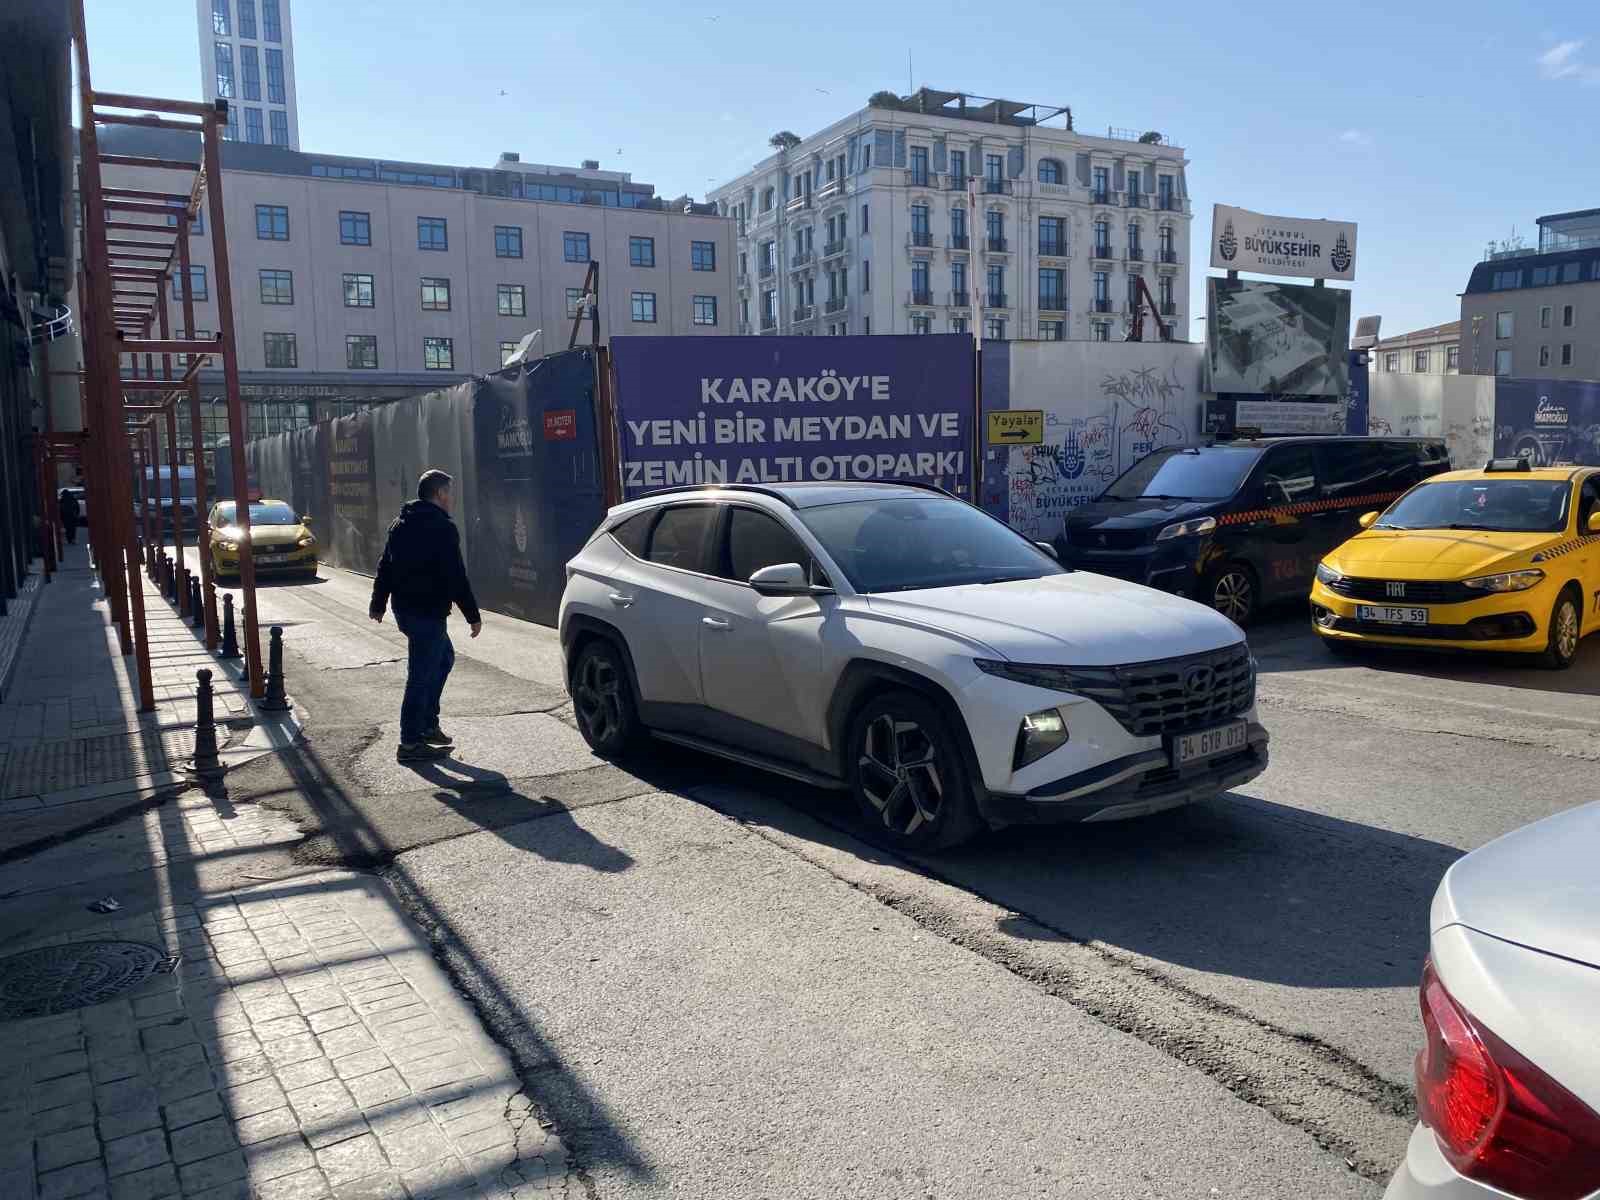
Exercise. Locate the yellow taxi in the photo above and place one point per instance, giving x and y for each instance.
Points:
(1504, 559)
(281, 543)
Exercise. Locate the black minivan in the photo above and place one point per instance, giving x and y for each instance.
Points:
(1242, 524)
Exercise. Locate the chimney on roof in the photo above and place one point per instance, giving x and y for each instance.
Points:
(591, 164)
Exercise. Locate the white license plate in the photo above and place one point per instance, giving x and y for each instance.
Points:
(1208, 743)
(271, 558)
(1387, 615)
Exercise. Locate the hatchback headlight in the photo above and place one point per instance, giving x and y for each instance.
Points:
(228, 547)
(1038, 735)
(1326, 574)
(307, 540)
(1511, 581)
(1194, 528)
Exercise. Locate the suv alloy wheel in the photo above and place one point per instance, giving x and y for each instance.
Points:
(602, 700)
(907, 774)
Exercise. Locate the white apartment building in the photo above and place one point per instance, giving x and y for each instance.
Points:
(356, 281)
(1431, 351)
(247, 59)
(895, 218)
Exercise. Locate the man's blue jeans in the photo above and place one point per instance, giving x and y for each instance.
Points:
(428, 661)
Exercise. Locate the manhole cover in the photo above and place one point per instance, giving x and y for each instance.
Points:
(55, 979)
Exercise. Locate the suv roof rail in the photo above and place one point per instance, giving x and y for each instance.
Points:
(1508, 464)
(720, 487)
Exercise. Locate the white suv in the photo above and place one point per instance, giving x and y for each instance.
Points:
(898, 641)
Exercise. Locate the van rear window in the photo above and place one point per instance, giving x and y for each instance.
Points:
(1185, 473)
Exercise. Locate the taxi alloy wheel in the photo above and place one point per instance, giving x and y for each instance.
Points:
(1231, 590)
(1566, 630)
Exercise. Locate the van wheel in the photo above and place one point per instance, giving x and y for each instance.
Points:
(1566, 629)
(907, 774)
(1231, 589)
(602, 700)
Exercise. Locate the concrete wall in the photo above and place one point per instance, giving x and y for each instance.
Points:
(1458, 408)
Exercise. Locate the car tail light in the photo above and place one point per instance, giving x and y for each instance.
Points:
(1497, 1117)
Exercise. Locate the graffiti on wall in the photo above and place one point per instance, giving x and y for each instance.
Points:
(1136, 411)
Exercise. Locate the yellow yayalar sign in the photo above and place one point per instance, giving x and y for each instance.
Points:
(1016, 427)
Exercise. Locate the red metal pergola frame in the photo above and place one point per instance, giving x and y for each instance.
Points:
(123, 282)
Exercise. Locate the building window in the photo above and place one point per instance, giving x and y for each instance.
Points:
(1544, 356)
(254, 131)
(230, 131)
(272, 222)
(996, 278)
(358, 291)
(1052, 289)
(1051, 331)
(1102, 239)
(280, 350)
(921, 230)
(247, 18)
(1544, 316)
(1566, 316)
(1135, 244)
(574, 299)
(1391, 362)
(508, 351)
(1168, 251)
(958, 324)
(438, 354)
(703, 256)
(1102, 185)
(361, 351)
(921, 323)
(1419, 362)
(225, 70)
(705, 310)
(641, 252)
(1505, 280)
(866, 219)
(435, 294)
(1049, 171)
(276, 93)
(508, 241)
(1166, 293)
(355, 228)
(432, 233)
(279, 121)
(921, 292)
(270, 22)
(1102, 331)
(277, 287)
(866, 274)
(1502, 362)
(197, 284)
(1165, 194)
(510, 300)
(1452, 358)
(994, 329)
(958, 229)
(1502, 325)
(1052, 235)
(219, 17)
(1102, 291)
(766, 200)
(575, 247)
(643, 305)
(1566, 354)
(249, 73)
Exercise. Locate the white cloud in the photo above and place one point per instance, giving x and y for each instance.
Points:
(1564, 60)
(1355, 137)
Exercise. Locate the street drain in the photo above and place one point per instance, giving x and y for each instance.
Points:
(56, 979)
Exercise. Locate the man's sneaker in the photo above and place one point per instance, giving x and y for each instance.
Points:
(438, 737)
(420, 752)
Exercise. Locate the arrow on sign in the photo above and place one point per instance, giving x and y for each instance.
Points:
(1014, 433)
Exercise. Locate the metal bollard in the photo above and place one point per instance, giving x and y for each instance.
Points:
(230, 640)
(170, 578)
(206, 764)
(197, 606)
(275, 700)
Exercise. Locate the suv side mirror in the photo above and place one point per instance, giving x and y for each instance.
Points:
(1593, 523)
(784, 579)
(1365, 520)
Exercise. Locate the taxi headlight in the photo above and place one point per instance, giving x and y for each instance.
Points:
(307, 540)
(228, 547)
(1511, 581)
(1194, 528)
(1326, 574)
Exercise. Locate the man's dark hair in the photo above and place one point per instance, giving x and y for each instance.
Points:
(432, 483)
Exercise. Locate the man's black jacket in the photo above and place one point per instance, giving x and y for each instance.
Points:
(421, 571)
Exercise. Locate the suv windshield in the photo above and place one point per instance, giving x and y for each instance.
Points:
(1185, 473)
(922, 542)
(1507, 505)
(260, 514)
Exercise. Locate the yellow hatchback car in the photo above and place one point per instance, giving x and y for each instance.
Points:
(1504, 559)
(281, 542)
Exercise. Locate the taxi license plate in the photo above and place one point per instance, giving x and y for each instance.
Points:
(1387, 615)
(271, 558)
(1208, 743)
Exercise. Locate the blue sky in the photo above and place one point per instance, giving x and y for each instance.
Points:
(1435, 126)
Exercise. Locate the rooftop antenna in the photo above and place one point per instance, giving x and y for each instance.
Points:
(910, 83)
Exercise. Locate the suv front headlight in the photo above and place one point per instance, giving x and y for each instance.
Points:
(1326, 574)
(1194, 528)
(1510, 581)
(1038, 735)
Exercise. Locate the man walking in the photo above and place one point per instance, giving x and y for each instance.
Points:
(67, 509)
(422, 574)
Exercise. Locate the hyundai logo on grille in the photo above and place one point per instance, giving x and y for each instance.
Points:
(1397, 590)
(1197, 680)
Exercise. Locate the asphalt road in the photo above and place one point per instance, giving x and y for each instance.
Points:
(708, 978)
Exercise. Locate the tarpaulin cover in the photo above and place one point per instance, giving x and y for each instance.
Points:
(1548, 420)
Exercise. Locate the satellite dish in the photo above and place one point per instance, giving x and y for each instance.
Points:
(1366, 333)
(521, 353)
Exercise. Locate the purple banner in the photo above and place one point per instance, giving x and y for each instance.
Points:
(777, 409)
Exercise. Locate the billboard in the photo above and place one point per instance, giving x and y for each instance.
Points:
(1242, 240)
(1547, 420)
(1277, 339)
(696, 410)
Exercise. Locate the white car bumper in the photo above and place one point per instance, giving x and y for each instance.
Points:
(1424, 1175)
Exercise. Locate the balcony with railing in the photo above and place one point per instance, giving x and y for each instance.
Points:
(1169, 308)
(922, 179)
(768, 270)
(804, 313)
(1135, 253)
(1098, 197)
(922, 297)
(769, 323)
(1103, 251)
(957, 183)
(798, 203)
(1168, 258)
(996, 187)
(960, 300)
(744, 281)
(744, 328)
(920, 239)
(835, 249)
(801, 258)
(1136, 199)
(996, 245)
(1052, 302)
(960, 241)
(1052, 249)
(1102, 304)
(833, 187)
(835, 304)
(1168, 203)
(996, 300)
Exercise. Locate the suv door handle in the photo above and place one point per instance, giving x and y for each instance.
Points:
(716, 623)
(620, 600)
